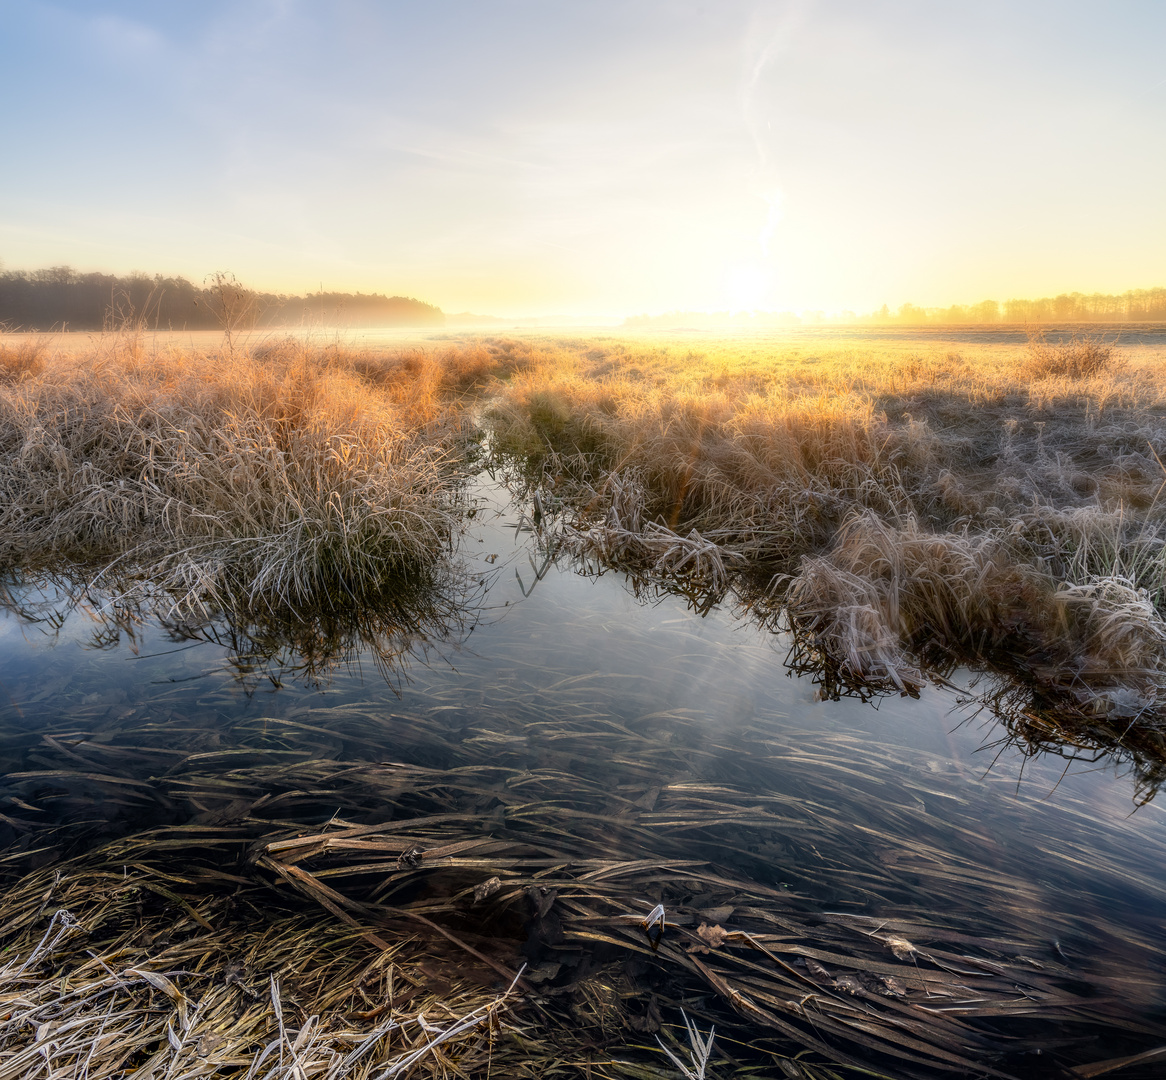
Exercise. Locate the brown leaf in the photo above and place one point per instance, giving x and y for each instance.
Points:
(850, 984)
(900, 946)
(712, 935)
(817, 970)
(894, 988)
(543, 973)
(486, 889)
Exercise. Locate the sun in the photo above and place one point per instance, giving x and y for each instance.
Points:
(747, 286)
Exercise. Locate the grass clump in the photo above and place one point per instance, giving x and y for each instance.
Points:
(224, 479)
(884, 597)
(993, 505)
(1083, 356)
(21, 360)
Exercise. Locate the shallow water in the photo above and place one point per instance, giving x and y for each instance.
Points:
(901, 808)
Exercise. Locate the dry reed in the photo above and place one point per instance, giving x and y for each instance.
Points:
(23, 360)
(1081, 357)
(997, 505)
(313, 908)
(260, 482)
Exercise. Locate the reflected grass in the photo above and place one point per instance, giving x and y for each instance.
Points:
(412, 620)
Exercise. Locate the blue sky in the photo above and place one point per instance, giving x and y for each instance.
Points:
(592, 157)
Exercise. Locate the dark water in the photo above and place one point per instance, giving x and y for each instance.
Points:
(895, 809)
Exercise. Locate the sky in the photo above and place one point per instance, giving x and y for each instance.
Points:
(601, 157)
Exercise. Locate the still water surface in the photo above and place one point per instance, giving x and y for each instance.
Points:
(895, 809)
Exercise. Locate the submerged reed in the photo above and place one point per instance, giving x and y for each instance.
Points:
(372, 919)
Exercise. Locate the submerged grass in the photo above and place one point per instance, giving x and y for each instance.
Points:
(131, 978)
(316, 908)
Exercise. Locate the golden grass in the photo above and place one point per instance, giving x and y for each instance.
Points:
(1081, 357)
(261, 481)
(900, 505)
(25, 359)
(996, 504)
(895, 506)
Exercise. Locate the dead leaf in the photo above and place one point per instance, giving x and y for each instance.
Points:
(900, 946)
(850, 984)
(160, 982)
(712, 935)
(486, 889)
(817, 970)
(894, 988)
(543, 973)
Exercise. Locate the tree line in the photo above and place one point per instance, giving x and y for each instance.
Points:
(60, 297)
(1135, 305)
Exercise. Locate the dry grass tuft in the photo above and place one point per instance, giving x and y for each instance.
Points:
(262, 482)
(882, 590)
(986, 505)
(1083, 356)
(23, 360)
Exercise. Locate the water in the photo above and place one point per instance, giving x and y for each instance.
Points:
(633, 728)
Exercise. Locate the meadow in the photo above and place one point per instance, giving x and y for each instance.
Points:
(899, 511)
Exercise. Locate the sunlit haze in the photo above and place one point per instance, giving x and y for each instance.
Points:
(594, 158)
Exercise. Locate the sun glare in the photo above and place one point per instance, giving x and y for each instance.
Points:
(747, 286)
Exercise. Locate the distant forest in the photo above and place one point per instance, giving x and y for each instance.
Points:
(61, 298)
(1137, 305)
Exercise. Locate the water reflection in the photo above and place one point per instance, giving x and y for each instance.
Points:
(600, 742)
(415, 620)
(1037, 716)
